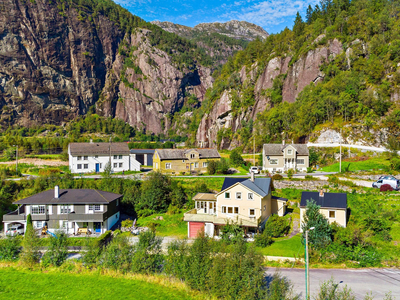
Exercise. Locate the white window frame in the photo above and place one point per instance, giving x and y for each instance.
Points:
(205, 164)
(79, 158)
(120, 165)
(119, 156)
(273, 161)
(192, 155)
(79, 166)
(85, 157)
(238, 195)
(168, 166)
(226, 209)
(227, 195)
(115, 156)
(250, 196)
(37, 224)
(252, 215)
(95, 207)
(334, 214)
(115, 165)
(300, 161)
(41, 209)
(65, 209)
(223, 209)
(196, 164)
(289, 151)
(85, 166)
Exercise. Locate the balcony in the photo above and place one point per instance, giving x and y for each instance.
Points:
(193, 216)
(96, 217)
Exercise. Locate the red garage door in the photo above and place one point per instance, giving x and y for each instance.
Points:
(194, 228)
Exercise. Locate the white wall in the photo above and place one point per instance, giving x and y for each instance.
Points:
(111, 221)
(100, 159)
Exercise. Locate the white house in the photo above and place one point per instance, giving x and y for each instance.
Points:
(93, 157)
(281, 157)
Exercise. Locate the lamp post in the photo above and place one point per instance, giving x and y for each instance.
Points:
(307, 263)
(16, 157)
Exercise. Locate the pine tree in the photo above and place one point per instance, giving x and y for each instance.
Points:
(298, 27)
(30, 254)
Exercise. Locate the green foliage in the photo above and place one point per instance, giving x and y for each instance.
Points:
(222, 166)
(30, 254)
(117, 255)
(290, 173)
(330, 290)
(236, 158)
(211, 167)
(276, 226)
(232, 232)
(147, 256)
(57, 251)
(277, 177)
(280, 288)
(10, 247)
(263, 240)
(320, 236)
(127, 223)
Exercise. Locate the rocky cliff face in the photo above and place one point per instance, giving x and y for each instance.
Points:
(297, 76)
(56, 61)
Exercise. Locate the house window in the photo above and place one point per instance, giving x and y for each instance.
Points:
(332, 214)
(79, 158)
(236, 209)
(196, 165)
(85, 158)
(252, 212)
(300, 161)
(120, 165)
(239, 195)
(227, 195)
(224, 209)
(86, 166)
(115, 156)
(39, 224)
(230, 209)
(65, 209)
(193, 155)
(64, 224)
(94, 207)
(205, 164)
(273, 161)
(101, 165)
(168, 165)
(250, 196)
(289, 151)
(115, 165)
(38, 209)
(202, 204)
(79, 166)
(198, 205)
(120, 157)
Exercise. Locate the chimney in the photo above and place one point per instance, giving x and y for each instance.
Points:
(252, 176)
(283, 142)
(321, 193)
(56, 192)
(91, 141)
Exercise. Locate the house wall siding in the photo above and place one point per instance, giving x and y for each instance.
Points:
(180, 166)
(340, 215)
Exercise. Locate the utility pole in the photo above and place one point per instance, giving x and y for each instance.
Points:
(109, 147)
(16, 157)
(307, 267)
(340, 156)
(254, 150)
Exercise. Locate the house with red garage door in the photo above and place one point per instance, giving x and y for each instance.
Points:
(247, 201)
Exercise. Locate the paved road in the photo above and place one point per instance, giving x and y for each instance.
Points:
(361, 281)
(368, 148)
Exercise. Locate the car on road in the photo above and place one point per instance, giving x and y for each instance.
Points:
(390, 180)
(15, 230)
(255, 170)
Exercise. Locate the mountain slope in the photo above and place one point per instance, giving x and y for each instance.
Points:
(339, 69)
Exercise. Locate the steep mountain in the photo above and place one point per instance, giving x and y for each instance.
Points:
(219, 40)
(339, 69)
(59, 58)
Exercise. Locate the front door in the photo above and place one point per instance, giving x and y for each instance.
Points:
(97, 227)
(97, 168)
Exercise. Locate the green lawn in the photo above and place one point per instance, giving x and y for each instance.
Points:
(171, 225)
(25, 284)
(285, 247)
(377, 163)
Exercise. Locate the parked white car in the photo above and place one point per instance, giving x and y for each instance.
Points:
(255, 170)
(15, 230)
(390, 180)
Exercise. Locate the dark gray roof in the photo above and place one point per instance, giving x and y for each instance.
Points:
(329, 200)
(98, 148)
(277, 149)
(181, 153)
(142, 151)
(71, 196)
(279, 198)
(261, 186)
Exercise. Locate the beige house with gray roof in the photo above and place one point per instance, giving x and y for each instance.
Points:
(281, 157)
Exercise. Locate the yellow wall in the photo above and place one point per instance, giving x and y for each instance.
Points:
(340, 215)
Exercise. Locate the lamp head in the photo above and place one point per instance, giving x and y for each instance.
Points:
(311, 228)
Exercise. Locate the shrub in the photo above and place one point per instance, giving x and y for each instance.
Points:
(236, 158)
(263, 240)
(309, 170)
(57, 251)
(290, 173)
(30, 254)
(276, 226)
(105, 238)
(277, 177)
(49, 172)
(90, 252)
(395, 164)
(127, 223)
(10, 248)
(147, 257)
(211, 167)
(386, 188)
(309, 177)
(117, 255)
(232, 232)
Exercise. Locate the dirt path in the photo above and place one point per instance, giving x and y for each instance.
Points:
(38, 162)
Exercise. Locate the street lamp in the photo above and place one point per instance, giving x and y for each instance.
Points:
(307, 263)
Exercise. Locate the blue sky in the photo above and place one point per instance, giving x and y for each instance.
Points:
(273, 16)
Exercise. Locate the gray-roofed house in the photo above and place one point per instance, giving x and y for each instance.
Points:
(176, 161)
(68, 209)
(243, 200)
(281, 157)
(332, 205)
(93, 157)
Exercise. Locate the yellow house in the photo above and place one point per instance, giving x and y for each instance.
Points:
(246, 201)
(332, 205)
(176, 161)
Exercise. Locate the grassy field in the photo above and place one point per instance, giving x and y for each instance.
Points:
(191, 183)
(171, 225)
(285, 247)
(25, 284)
(376, 163)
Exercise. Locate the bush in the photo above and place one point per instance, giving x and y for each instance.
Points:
(290, 173)
(117, 255)
(309, 177)
(386, 188)
(211, 167)
(232, 232)
(147, 257)
(10, 248)
(57, 251)
(263, 240)
(276, 226)
(236, 158)
(127, 223)
(395, 163)
(222, 166)
(277, 177)
(309, 170)
(105, 238)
